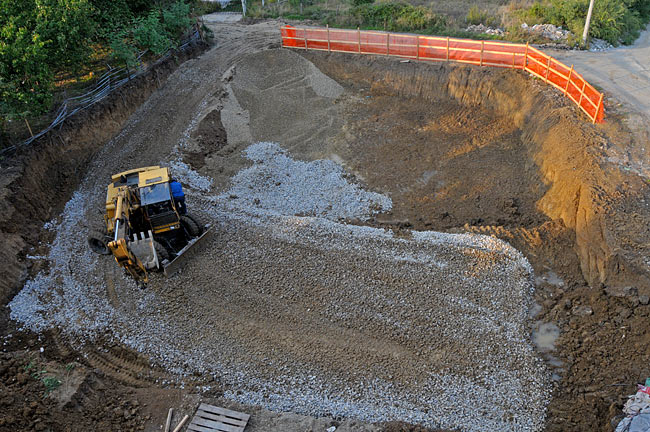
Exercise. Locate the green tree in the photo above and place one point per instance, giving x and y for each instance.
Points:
(37, 39)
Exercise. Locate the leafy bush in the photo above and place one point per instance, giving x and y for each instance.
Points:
(615, 21)
(361, 2)
(157, 32)
(149, 33)
(476, 16)
(123, 49)
(176, 19)
(39, 38)
(397, 17)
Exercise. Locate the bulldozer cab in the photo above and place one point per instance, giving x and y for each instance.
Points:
(157, 202)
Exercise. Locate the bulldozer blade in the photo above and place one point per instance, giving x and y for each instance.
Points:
(191, 248)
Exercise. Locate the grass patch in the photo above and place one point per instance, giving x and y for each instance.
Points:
(37, 372)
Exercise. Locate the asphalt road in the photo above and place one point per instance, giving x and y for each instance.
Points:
(622, 72)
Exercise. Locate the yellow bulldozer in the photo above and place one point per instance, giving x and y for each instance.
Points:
(146, 225)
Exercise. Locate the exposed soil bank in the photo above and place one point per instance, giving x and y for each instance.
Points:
(39, 180)
(494, 152)
(527, 157)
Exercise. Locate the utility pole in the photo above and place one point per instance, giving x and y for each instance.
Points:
(586, 32)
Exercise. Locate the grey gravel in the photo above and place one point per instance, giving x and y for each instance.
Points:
(293, 310)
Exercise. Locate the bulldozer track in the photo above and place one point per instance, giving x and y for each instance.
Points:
(119, 363)
(518, 236)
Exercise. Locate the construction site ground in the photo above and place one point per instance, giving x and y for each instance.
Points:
(396, 246)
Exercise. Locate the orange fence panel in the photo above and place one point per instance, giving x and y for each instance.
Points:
(431, 48)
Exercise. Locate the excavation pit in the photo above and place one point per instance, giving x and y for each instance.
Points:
(326, 290)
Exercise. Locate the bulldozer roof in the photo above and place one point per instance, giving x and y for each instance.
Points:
(118, 177)
(142, 177)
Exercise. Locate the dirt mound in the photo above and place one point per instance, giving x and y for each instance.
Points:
(209, 137)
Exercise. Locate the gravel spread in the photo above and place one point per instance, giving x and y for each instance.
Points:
(289, 308)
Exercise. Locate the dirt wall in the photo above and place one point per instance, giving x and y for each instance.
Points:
(39, 180)
(583, 192)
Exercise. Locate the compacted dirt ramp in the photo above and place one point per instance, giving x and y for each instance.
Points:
(325, 290)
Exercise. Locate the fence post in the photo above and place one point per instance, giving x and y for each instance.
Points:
(447, 48)
(482, 48)
(582, 91)
(304, 34)
(568, 81)
(329, 49)
(600, 102)
(548, 69)
(417, 55)
(29, 127)
(526, 57)
(388, 44)
(513, 60)
(359, 38)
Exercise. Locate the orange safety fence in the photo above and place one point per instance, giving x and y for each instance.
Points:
(431, 48)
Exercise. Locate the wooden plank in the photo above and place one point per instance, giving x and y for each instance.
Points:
(418, 47)
(217, 426)
(224, 411)
(582, 93)
(359, 38)
(526, 57)
(169, 419)
(180, 425)
(222, 418)
(329, 48)
(447, 48)
(197, 428)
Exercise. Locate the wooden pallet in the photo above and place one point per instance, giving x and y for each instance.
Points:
(209, 418)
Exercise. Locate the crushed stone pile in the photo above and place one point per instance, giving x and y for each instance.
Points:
(548, 31)
(483, 29)
(290, 309)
